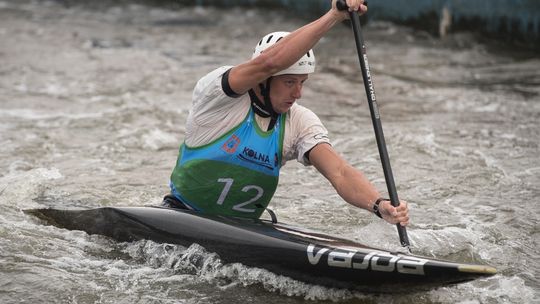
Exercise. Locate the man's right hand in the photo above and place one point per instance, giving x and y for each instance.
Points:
(353, 5)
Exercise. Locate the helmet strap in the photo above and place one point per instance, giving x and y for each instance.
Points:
(264, 109)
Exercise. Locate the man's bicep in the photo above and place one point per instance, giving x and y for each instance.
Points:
(327, 161)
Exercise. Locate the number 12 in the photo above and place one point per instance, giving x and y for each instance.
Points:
(240, 206)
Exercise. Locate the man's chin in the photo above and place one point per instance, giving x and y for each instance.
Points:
(283, 110)
(287, 107)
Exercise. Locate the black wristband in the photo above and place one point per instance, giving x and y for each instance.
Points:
(376, 206)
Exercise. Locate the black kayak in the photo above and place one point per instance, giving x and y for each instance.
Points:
(299, 254)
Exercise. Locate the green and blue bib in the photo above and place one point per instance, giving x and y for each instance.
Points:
(235, 175)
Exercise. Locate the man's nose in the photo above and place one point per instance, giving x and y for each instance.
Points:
(297, 92)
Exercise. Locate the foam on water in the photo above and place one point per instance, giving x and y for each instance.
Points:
(156, 140)
(20, 187)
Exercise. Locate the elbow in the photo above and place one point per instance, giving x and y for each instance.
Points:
(338, 178)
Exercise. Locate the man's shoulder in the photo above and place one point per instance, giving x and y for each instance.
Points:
(213, 75)
(209, 86)
(301, 119)
(299, 112)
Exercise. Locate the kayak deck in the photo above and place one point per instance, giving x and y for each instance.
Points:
(302, 255)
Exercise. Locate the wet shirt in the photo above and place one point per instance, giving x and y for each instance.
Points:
(214, 113)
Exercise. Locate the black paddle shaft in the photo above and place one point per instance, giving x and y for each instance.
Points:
(375, 116)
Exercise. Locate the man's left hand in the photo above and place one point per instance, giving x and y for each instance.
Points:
(394, 215)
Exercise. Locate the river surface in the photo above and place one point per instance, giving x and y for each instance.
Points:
(93, 102)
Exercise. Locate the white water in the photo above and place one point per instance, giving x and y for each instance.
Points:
(92, 107)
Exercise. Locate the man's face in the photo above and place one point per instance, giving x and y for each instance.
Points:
(285, 90)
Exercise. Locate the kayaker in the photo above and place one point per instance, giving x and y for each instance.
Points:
(244, 125)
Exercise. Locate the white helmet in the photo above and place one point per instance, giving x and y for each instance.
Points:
(305, 65)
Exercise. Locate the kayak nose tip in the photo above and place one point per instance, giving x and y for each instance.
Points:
(479, 269)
